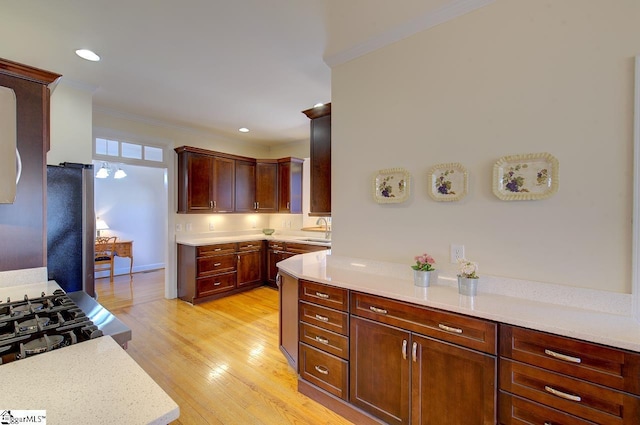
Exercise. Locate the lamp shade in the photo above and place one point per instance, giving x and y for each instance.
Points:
(103, 172)
(101, 224)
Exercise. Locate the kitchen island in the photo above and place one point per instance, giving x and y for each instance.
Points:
(518, 352)
(95, 382)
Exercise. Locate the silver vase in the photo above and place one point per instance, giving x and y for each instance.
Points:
(467, 286)
(421, 278)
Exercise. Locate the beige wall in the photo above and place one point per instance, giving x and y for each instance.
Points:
(513, 77)
(71, 128)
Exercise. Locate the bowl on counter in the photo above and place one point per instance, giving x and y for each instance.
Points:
(268, 231)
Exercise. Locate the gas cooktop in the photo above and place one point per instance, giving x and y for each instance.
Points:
(36, 325)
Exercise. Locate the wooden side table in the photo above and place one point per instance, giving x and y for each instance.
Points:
(125, 249)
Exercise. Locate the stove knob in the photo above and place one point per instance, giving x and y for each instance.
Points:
(8, 299)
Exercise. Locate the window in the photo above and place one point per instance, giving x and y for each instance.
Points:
(116, 149)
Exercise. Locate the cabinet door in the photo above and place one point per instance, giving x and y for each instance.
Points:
(224, 182)
(380, 372)
(288, 293)
(290, 186)
(249, 267)
(245, 196)
(200, 182)
(267, 187)
(321, 166)
(274, 257)
(451, 384)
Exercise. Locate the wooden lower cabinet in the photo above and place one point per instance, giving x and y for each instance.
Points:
(403, 378)
(249, 263)
(380, 371)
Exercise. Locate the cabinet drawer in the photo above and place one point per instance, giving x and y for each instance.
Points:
(326, 318)
(328, 296)
(331, 342)
(216, 264)
(518, 411)
(211, 285)
(592, 362)
(301, 248)
(250, 246)
(277, 245)
(469, 332)
(574, 396)
(222, 248)
(324, 370)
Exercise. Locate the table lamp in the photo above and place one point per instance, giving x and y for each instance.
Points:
(100, 225)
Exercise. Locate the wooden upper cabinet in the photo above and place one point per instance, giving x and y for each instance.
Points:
(224, 177)
(320, 148)
(206, 181)
(216, 182)
(290, 185)
(245, 186)
(267, 186)
(23, 243)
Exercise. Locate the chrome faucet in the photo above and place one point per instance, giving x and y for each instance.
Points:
(327, 232)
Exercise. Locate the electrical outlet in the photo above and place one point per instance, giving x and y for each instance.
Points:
(178, 227)
(211, 226)
(188, 227)
(457, 251)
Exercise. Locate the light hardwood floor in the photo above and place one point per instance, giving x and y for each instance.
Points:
(218, 360)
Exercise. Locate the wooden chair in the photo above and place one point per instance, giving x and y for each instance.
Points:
(105, 250)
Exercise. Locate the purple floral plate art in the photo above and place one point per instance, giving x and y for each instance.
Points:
(525, 177)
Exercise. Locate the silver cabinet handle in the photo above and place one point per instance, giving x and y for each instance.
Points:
(322, 369)
(214, 204)
(238, 258)
(216, 264)
(563, 356)
(18, 166)
(217, 284)
(210, 204)
(322, 340)
(249, 246)
(322, 318)
(562, 394)
(287, 205)
(414, 351)
(321, 295)
(449, 328)
(278, 279)
(217, 249)
(404, 349)
(377, 310)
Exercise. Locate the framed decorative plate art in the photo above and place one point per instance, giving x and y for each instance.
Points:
(447, 182)
(391, 186)
(525, 177)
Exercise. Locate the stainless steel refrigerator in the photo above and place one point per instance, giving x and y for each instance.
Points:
(71, 226)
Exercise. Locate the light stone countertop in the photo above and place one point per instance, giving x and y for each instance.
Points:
(573, 312)
(200, 239)
(93, 382)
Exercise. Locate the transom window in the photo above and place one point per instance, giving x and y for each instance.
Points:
(128, 150)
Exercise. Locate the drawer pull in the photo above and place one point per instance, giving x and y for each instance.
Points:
(404, 349)
(563, 357)
(378, 310)
(322, 318)
(216, 264)
(449, 328)
(321, 295)
(414, 352)
(217, 283)
(218, 249)
(322, 369)
(249, 246)
(562, 394)
(322, 340)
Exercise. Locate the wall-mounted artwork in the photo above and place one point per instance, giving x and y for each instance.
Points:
(525, 177)
(447, 182)
(391, 186)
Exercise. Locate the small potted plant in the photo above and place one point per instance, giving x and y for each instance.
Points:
(422, 269)
(467, 277)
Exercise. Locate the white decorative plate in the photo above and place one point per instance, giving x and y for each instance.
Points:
(447, 182)
(525, 177)
(391, 186)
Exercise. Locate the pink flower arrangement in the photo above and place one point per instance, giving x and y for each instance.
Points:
(424, 263)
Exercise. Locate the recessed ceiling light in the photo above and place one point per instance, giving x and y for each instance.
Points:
(88, 55)
(243, 130)
(317, 105)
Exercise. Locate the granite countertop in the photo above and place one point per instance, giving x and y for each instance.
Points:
(596, 316)
(94, 382)
(199, 240)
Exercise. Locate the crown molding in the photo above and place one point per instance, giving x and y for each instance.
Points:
(421, 23)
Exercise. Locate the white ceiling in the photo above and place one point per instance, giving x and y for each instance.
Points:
(216, 65)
